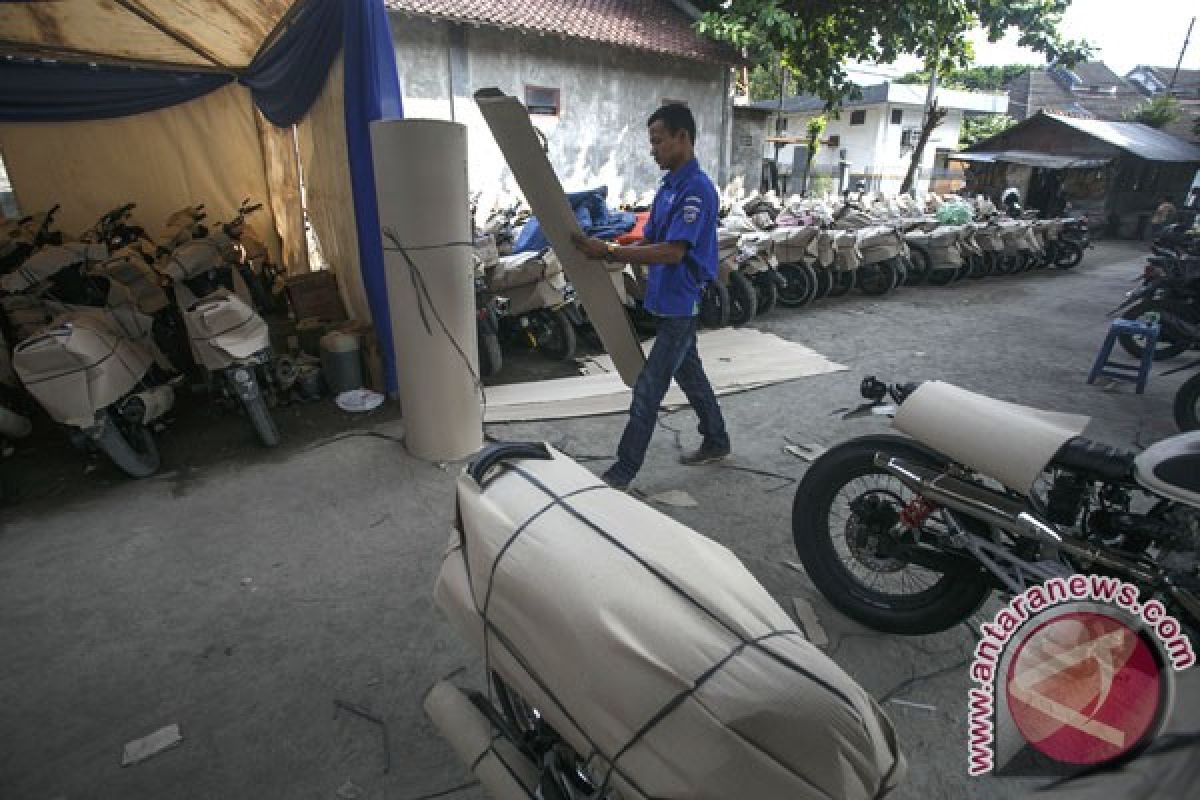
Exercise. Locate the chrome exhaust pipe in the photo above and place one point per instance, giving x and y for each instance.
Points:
(970, 499)
(1005, 513)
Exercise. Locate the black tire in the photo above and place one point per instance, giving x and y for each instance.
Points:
(918, 265)
(743, 301)
(978, 267)
(947, 601)
(130, 446)
(942, 276)
(555, 334)
(1187, 404)
(843, 282)
(714, 305)
(876, 279)
(768, 292)
(261, 420)
(802, 286)
(1068, 254)
(901, 273)
(825, 280)
(491, 359)
(1166, 347)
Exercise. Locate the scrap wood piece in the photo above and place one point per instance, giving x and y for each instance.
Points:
(514, 132)
(148, 746)
(674, 497)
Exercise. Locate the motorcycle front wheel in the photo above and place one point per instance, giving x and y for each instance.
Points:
(801, 287)
(846, 524)
(743, 300)
(129, 445)
(877, 279)
(714, 305)
(1151, 311)
(1187, 404)
(555, 334)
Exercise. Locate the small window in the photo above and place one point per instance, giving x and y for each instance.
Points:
(897, 116)
(541, 100)
(834, 141)
(858, 117)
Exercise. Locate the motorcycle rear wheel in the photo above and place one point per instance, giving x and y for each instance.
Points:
(1187, 404)
(768, 293)
(1068, 254)
(130, 446)
(843, 282)
(555, 334)
(491, 359)
(877, 279)
(1166, 347)
(851, 581)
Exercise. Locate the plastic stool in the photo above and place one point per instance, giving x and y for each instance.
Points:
(1134, 373)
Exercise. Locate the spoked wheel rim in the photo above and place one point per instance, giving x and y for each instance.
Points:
(867, 537)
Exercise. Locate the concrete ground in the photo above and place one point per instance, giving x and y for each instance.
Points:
(240, 592)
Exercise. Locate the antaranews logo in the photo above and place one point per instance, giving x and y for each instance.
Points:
(1073, 673)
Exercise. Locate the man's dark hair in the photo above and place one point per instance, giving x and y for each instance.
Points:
(675, 117)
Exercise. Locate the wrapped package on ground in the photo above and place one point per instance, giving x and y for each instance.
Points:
(649, 648)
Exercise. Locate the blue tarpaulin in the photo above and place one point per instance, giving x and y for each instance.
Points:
(594, 216)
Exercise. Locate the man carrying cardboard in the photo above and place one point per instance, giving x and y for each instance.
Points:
(680, 248)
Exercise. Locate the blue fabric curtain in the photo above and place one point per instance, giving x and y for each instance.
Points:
(37, 91)
(372, 92)
(284, 79)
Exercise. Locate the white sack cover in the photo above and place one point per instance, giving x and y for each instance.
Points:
(223, 328)
(48, 261)
(795, 245)
(846, 255)
(1005, 441)
(643, 642)
(197, 256)
(79, 365)
(521, 269)
(133, 273)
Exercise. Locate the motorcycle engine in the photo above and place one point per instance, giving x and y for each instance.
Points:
(1181, 550)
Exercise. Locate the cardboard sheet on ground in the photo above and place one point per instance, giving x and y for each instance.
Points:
(736, 360)
(514, 133)
(1005, 441)
(650, 648)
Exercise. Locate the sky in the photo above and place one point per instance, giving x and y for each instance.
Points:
(1125, 33)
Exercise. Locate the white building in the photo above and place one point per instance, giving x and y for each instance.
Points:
(875, 133)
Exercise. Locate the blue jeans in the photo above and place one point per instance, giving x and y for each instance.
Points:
(674, 355)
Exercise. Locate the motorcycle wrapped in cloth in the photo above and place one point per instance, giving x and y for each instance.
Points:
(911, 535)
(629, 657)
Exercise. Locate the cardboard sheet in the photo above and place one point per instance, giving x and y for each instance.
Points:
(736, 360)
(514, 133)
(651, 649)
(1005, 441)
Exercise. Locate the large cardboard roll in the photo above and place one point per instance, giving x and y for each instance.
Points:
(421, 188)
(651, 649)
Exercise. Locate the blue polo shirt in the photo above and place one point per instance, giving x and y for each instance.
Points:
(685, 210)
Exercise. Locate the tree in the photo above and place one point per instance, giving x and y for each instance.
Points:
(814, 129)
(976, 129)
(979, 79)
(814, 39)
(1157, 112)
(766, 82)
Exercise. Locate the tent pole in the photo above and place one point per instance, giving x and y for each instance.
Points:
(155, 23)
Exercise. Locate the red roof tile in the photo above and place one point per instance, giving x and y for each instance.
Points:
(654, 25)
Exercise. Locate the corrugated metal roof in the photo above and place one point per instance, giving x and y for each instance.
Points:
(1031, 159)
(1134, 137)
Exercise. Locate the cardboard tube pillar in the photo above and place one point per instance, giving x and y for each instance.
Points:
(421, 187)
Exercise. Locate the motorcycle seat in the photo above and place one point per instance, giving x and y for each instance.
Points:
(1172, 468)
(1095, 458)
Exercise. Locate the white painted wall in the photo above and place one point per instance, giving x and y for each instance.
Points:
(873, 148)
(606, 95)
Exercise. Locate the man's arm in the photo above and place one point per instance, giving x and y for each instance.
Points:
(660, 253)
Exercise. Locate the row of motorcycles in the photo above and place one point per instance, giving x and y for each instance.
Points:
(1169, 296)
(791, 253)
(104, 330)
